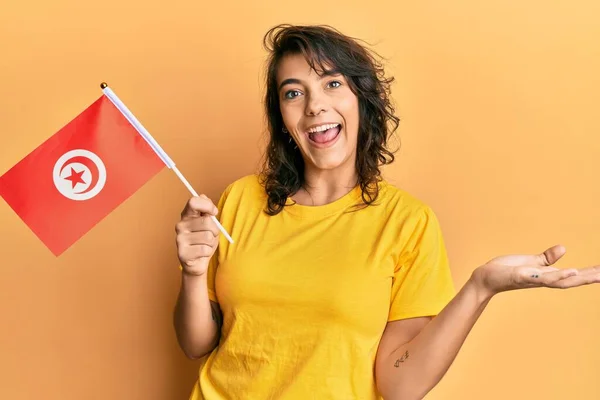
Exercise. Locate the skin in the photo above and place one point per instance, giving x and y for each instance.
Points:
(196, 319)
(414, 354)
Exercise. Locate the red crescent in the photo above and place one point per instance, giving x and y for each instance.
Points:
(93, 168)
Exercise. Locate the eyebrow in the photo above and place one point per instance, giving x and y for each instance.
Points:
(288, 81)
(325, 74)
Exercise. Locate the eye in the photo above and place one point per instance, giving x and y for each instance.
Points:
(334, 84)
(290, 94)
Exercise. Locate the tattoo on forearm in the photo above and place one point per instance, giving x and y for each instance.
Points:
(401, 359)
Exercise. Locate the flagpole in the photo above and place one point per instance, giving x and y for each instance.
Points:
(155, 146)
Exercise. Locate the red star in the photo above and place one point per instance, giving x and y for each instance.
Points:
(75, 178)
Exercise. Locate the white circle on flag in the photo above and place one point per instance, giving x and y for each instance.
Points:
(79, 174)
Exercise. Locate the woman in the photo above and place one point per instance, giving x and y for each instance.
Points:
(331, 288)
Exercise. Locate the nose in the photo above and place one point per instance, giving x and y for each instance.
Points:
(316, 103)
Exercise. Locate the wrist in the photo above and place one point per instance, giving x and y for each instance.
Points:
(481, 292)
(192, 279)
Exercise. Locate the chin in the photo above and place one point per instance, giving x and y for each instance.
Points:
(330, 161)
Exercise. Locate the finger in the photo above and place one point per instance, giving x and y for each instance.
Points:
(204, 238)
(196, 206)
(576, 280)
(582, 271)
(590, 270)
(197, 224)
(538, 278)
(193, 253)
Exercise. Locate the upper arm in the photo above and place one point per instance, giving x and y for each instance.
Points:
(399, 333)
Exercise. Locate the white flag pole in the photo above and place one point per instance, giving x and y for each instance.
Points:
(155, 146)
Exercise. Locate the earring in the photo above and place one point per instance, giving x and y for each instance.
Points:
(284, 130)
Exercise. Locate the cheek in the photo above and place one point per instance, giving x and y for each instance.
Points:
(291, 115)
(351, 114)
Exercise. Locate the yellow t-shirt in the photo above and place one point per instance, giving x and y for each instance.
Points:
(306, 294)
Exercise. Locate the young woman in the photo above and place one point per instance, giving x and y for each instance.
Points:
(338, 284)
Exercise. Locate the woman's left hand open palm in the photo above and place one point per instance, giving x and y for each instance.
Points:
(512, 272)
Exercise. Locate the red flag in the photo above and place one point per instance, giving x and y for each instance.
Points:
(79, 175)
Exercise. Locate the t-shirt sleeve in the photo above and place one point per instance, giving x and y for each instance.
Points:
(213, 264)
(422, 284)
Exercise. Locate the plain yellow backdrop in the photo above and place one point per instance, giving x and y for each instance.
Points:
(500, 134)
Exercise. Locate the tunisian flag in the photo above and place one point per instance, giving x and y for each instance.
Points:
(79, 175)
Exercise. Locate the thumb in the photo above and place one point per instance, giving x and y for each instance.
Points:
(548, 257)
(551, 255)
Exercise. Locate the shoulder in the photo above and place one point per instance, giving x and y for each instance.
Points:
(418, 226)
(247, 187)
(398, 199)
(410, 213)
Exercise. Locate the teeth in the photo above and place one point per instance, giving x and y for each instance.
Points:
(322, 128)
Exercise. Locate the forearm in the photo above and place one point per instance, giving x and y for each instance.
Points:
(196, 327)
(414, 368)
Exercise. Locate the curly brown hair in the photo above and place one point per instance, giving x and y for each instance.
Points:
(325, 47)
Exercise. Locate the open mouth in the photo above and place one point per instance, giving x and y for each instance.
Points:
(324, 134)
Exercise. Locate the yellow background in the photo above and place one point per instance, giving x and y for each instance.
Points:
(500, 134)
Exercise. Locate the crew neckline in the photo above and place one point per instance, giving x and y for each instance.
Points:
(305, 211)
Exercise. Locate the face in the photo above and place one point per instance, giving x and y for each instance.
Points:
(320, 112)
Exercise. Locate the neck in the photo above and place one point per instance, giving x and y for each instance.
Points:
(326, 186)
